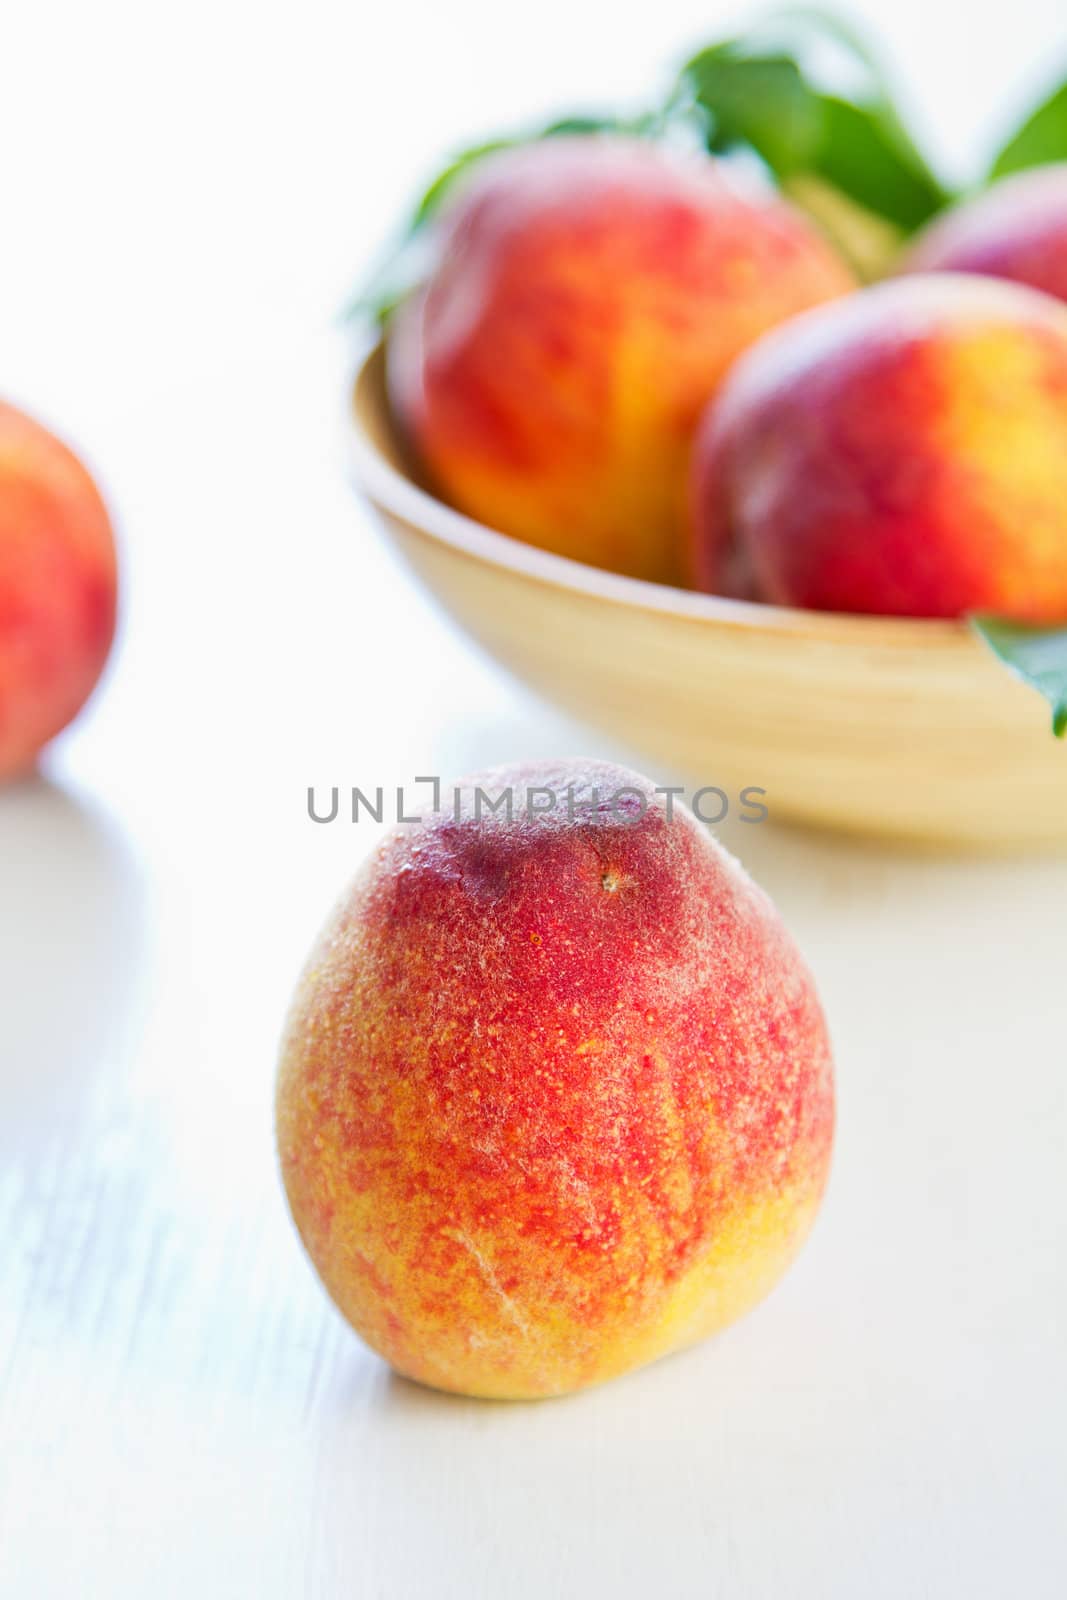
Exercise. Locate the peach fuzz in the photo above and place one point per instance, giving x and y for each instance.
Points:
(902, 452)
(1016, 229)
(588, 297)
(57, 588)
(555, 1094)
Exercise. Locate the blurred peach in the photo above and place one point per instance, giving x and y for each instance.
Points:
(1016, 229)
(589, 297)
(902, 452)
(57, 588)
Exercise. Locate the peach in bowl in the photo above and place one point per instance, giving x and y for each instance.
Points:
(877, 724)
(627, 371)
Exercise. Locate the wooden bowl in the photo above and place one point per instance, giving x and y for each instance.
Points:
(874, 724)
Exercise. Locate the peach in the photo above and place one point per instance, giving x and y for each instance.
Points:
(1016, 229)
(589, 295)
(57, 588)
(903, 452)
(555, 1094)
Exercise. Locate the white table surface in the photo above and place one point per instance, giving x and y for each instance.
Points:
(181, 1412)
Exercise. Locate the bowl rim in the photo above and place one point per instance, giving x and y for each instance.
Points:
(396, 493)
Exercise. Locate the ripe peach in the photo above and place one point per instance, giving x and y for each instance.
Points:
(555, 1094)
(57, 588)
(1015, 229)
(589, 296)
(904, 452)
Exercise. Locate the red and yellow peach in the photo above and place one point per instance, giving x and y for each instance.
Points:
(57, 588)
(589, 295)
(555, 1095)
(903, 451)
(1016, 229)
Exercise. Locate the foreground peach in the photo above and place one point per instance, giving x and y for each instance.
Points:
(57, 588)
(1016, 229)
(555, 1095)
(902, 452)
(589, 296)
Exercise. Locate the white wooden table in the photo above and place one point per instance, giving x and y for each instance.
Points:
(181, 1412)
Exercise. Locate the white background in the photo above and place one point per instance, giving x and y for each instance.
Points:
(186, 197)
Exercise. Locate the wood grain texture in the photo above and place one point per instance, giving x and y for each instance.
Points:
(873, 724)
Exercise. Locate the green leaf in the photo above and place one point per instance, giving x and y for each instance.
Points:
(760, 91)
(1036, 655)
(434, 197)
(759, 101)
(400, 272)
(1042, 138)
(570, 127)
(864, 155)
